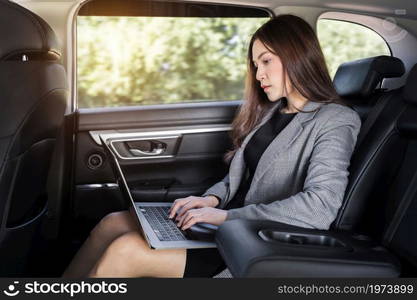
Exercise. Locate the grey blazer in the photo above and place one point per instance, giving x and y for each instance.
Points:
(302, 176)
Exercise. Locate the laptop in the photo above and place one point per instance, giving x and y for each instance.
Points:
(159, 231)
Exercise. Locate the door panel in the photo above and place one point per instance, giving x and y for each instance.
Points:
(194, 138)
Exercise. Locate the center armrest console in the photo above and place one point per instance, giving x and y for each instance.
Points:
(271, 249)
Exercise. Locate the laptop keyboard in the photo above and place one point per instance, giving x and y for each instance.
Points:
(164, 228)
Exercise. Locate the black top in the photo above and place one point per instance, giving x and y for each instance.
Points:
(254, 150)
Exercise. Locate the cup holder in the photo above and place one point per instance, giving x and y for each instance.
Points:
(303, 239)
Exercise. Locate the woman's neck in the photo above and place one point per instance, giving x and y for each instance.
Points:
(295, 103)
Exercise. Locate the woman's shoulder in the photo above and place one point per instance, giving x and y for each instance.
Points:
(338, 113)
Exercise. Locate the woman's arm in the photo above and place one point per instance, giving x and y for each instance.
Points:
(211, 198)
(219, 190)
(325, 184)
(191, 210)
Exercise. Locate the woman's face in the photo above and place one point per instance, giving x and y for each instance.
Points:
(269, 72)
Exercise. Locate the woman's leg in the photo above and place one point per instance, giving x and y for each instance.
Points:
(130, 256)
(104, 233)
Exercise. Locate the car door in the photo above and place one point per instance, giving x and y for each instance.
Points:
(166, 153)
(170, 147)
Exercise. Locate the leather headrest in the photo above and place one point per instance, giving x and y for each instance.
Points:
(410, 88)
(24, 33)
(359, 78)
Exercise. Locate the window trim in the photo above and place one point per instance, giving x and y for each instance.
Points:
(398, 48)
(356, 23)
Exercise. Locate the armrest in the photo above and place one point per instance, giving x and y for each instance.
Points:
(271, 249)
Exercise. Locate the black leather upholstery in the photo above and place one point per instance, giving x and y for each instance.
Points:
(369, 167)
(354, 256)
(359, 78)
(410, 90)
(33, 99)
(407, 124)
(378, 138)
(400, 228)
(22, 32)
(358, 82)
(382, 190)
(400, 235)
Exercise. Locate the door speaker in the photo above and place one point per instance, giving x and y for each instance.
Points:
(95, 160)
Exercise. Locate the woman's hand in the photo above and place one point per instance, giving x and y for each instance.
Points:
(182, 205)
(209, 215)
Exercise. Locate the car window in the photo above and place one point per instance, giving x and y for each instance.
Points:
(144, 60)
(343, 41)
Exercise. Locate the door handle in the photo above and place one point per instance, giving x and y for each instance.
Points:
(138, 152)
(153, 148)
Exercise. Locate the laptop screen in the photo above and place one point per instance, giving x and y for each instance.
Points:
(120, 178)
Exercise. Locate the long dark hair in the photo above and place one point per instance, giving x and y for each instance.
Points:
(294, 41)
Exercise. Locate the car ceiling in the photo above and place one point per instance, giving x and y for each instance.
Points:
(402, 12)
(381, 7)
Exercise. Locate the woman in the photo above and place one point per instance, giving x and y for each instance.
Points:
(293, 139)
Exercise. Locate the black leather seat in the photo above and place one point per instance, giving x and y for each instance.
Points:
(378, 139)
(357, 82)
(399, 214)
(378, 172)
(33, 97)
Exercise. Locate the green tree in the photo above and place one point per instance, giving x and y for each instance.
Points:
(153, 60)
(344, 41)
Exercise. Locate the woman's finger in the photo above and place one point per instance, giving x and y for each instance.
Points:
(174, 203)
(189, 205)
(180, 220)
(187, 216)
(176, 206)
(186, 219)
(192, 221)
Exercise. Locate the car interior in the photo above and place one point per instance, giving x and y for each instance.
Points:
(58, 92)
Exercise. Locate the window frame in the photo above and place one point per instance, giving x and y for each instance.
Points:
(74, 65)
(356, 23)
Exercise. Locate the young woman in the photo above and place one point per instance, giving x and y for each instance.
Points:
(293, 139)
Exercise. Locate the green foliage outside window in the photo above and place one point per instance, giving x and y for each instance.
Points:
(343, 41)
(158, 60)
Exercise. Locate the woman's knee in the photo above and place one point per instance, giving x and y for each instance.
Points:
(128, 245)
(143, 261)
(113, 225)
(124, 257)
